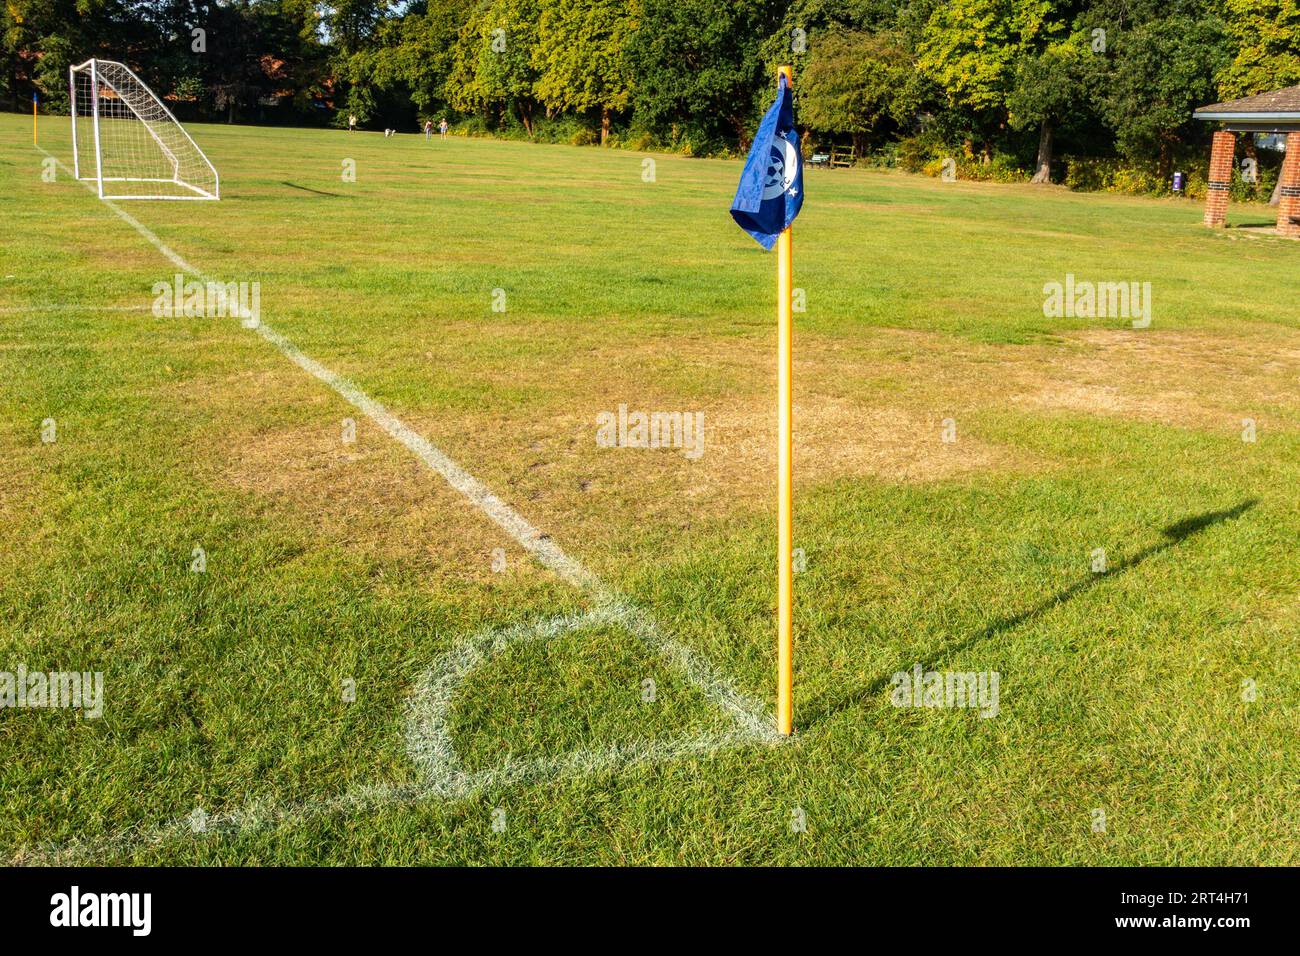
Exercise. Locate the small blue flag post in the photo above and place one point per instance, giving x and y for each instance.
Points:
(768, 198)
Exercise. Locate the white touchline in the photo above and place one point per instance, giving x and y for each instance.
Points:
(427, 740)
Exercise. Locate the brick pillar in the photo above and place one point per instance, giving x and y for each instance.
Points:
(1221, 159)
(1288, 205)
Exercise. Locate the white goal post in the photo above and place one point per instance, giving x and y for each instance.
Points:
(127, 142)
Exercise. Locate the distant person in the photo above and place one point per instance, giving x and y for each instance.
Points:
(352, 122)
(428, 129)
(442, 128)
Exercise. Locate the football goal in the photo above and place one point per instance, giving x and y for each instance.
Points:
(127, 142)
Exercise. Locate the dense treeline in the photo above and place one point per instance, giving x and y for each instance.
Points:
(1004, 84)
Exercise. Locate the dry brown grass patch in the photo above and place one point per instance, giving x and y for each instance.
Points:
(870, 406)
(371, 495)
(1201, 380)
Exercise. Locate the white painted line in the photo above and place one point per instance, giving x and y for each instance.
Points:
(513, 523)
(428, 737)
(428, 725)
(478, 494)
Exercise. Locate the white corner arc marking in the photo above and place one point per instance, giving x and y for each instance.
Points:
(427, 735)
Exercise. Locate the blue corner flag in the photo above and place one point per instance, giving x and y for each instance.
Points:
(770, 193)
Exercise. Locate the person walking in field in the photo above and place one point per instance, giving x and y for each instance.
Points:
(428, 129)
(442, 128)
(352, 122)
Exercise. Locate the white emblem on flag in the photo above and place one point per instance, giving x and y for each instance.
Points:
(781, 168)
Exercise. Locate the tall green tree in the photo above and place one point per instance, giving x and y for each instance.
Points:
(697, 66)
(971, 47)
(853, 81)
(1265, 38)
(986, 53)
(352, 23)
(411, 56)
(1049, 84)
(492, 66)
(43, 37)
(581, 56)
(1163, 69)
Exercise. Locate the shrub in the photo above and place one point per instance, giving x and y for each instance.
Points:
(886, 157)
(926, 153)
(914, 152)
(643, 141)
(1000, 169)
(1142, 178)
(471, 126)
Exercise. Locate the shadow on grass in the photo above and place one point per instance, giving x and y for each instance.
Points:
(1174, 535)
(1268, 228)
(308, 189)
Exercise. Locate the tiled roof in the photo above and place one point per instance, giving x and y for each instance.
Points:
(1279, 101)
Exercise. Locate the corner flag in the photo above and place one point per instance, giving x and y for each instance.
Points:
(770, 193)
(768, 198)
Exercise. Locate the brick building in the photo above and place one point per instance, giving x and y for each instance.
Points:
(1276, 112)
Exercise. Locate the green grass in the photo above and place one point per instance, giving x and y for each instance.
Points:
(329, 562)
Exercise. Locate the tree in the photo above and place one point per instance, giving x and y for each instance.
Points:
(293, 37)
(1265, 36)
(807, 23)
(410, 57)
(352, 23)
(853, 80)
(1162, 71)
(493, 62)
(696, 67)
(42, 37)
(1047, 86)
(971, 47)
(51, 74)
(696, 72)
(581, 56)
(232, 64)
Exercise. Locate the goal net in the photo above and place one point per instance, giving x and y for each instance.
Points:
(125, 139)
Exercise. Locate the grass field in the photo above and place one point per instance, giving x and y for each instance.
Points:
(331, 562)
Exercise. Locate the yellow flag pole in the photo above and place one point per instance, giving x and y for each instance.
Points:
(33, 119)
(785, 474)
